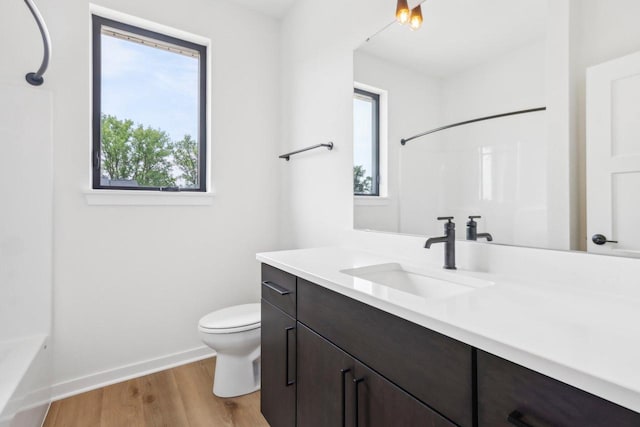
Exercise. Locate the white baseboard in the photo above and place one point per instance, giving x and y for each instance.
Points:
(127, 372)
(45, 414)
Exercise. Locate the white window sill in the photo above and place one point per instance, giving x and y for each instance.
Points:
(371, 201)
(147, 198)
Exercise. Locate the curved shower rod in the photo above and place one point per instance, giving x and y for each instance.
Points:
(36, 78)
(403, 141)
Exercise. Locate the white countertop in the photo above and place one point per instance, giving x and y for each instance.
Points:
(588, 339)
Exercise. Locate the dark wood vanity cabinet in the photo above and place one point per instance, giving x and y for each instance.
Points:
(331, 361)
(511, 395)
(334, 389)
(345, 363)
(278, 342)
(430, 366)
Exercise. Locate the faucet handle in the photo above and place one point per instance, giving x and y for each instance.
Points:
(445, 218)
(472, 220)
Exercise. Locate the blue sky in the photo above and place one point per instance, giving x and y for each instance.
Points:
(150, 86)
(362, 154)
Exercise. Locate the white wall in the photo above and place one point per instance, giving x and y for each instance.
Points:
(25, 183)
(413, 105)
(26, 224)
(26, 214)
(131, 282)
(512, 81)
(318, 39)
(509, 190)
(511, 193)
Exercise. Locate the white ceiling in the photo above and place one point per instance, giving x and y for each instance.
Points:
(457, 34)
(274, 8)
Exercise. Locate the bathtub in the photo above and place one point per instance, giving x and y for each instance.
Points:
(25, 381)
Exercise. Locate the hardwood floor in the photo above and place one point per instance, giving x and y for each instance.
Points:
(178, 397)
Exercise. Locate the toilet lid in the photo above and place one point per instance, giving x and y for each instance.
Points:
(245, 316)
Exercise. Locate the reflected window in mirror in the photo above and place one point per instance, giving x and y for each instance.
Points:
(366, 143)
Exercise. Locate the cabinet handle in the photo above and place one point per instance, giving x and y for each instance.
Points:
(343, 374)
(287, 382)
(356, 382)
(277, 288)
(515, 418)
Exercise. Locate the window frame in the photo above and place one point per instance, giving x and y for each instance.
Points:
(375, 132)
(97, 23)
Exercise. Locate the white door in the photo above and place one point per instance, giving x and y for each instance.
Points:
(613, 157)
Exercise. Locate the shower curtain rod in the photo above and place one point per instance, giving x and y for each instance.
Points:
(512, 113)
(36, 78)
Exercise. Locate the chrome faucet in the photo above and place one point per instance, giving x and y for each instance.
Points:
(472, 230)
(449, 240)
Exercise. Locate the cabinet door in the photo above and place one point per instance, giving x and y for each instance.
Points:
(434, 368)
(278, 389)
(512, 395)
(325, 375)
(379, 403)
(333, 387)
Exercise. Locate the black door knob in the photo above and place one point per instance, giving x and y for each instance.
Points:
(601, 239)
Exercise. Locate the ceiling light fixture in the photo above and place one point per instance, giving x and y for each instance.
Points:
(403, 12)
(415, 20)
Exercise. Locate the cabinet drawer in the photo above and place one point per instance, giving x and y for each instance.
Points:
(433, 368)
(279, 288)
(504, 387)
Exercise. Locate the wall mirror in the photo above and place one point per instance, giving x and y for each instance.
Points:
(521, 172)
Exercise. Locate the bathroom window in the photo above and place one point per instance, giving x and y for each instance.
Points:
(149, 110)
(366, 143)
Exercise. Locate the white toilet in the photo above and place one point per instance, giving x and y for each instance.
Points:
(234, 333)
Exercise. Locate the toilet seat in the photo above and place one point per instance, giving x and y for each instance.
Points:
(233, 319)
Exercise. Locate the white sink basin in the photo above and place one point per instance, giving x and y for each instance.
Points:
(420, 282)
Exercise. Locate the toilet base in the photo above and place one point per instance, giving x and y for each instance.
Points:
(235, 376)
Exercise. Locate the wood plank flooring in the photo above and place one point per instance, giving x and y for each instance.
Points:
(178, 397)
